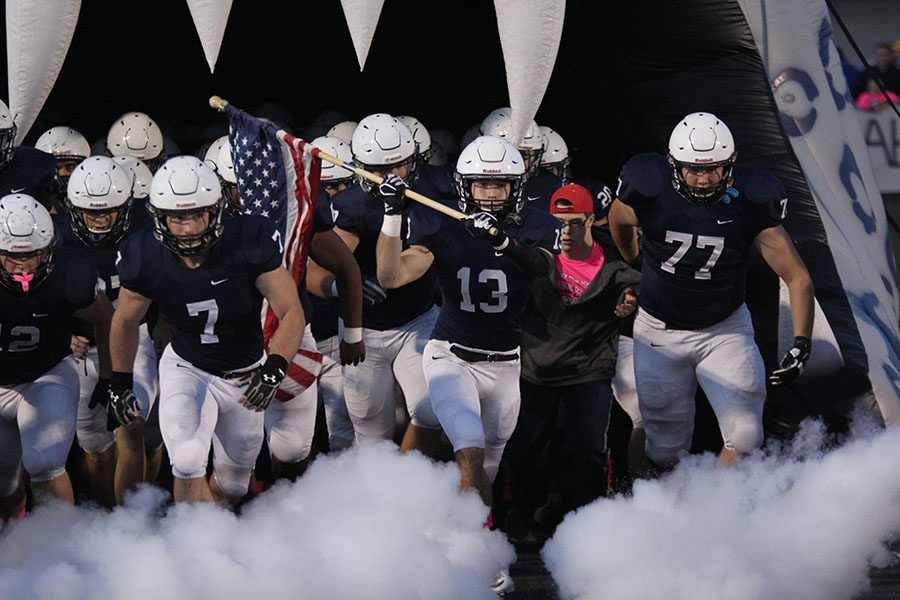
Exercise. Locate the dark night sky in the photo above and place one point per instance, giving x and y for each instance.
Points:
(438, 60)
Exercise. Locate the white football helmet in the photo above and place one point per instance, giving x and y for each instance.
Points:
(26, 230)
(186, 185)
(343, 131)
(556, 153)
(702, 140)
(7, 135)
(211, 156)
(499, 124)
(225, 163)
(381, 143)
(492, 158)
(421, 135)
(102, 189)
(140, 175)
(136, 134)
(64, 143)
(332, 175)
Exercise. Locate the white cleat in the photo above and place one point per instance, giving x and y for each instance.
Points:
(503, 584)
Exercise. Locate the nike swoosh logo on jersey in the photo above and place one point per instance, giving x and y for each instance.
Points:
(533, 198)
(218, 281)
(39, 315)
(656, 345)
(721, 222)
(18, 190)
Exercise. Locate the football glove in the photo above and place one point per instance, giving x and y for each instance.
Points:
(263, 383)
(485, 226)
(391, 192)
(122, 407)
(793, 362)
(100, 395)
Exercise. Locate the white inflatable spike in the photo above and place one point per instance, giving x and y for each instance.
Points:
(210, 18)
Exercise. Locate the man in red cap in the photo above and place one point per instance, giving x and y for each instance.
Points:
(569, 354)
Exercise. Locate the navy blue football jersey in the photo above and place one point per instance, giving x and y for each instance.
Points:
(539, 188)
(483, 295)
(30, 172)
(103, 258)
(36, 327)
(213, 311)
(361, 214)
(695, 257)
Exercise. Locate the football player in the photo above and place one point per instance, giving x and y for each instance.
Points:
(701, 215)
(328, 304)
(471, 362)
(208, 276)
(101, 212)
(25, 170)
(41, 292)
(396, 323)
(69, 148)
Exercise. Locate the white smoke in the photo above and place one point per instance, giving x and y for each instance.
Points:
(797, 523)
(370, 523)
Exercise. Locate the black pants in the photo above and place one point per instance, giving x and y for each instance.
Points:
(584, 411)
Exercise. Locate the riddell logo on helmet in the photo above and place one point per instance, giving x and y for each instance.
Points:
(98, 204)
(185, 204)
(703, 159)
(21, 247)
(390, 159)
(491, 171)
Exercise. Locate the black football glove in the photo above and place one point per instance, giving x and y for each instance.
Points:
(100, 395)
(485, 226)
(793, 362)
(264, 382)
(373, 293)
(391, 192)
(122, 407)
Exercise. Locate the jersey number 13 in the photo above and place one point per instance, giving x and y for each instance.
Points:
(498, 297)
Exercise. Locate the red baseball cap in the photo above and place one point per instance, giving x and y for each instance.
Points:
(571, 199)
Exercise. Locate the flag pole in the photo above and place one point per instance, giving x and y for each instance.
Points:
(219, 104)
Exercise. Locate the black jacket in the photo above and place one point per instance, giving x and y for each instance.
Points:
(568, 344)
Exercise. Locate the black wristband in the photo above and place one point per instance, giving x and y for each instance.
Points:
(803, 342)
(279, 362)
(529, 259)
(121, 380)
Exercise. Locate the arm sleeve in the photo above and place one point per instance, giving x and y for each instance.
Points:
(768, 203)
(532, 261)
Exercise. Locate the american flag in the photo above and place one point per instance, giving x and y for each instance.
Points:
(277, 178)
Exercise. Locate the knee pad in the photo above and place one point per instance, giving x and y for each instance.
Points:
(232, 480)
(289, 448)
(189, 459)
(45, 465)
(745, 436)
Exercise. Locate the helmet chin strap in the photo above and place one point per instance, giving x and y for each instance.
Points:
(24, 279)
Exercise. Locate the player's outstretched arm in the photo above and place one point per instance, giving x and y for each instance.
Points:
(623, 225)
(333, 254)
(125, 329)
(777, 249)
(99, 314)
(279, 290)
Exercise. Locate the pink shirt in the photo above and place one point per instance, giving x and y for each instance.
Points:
(573, 276)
